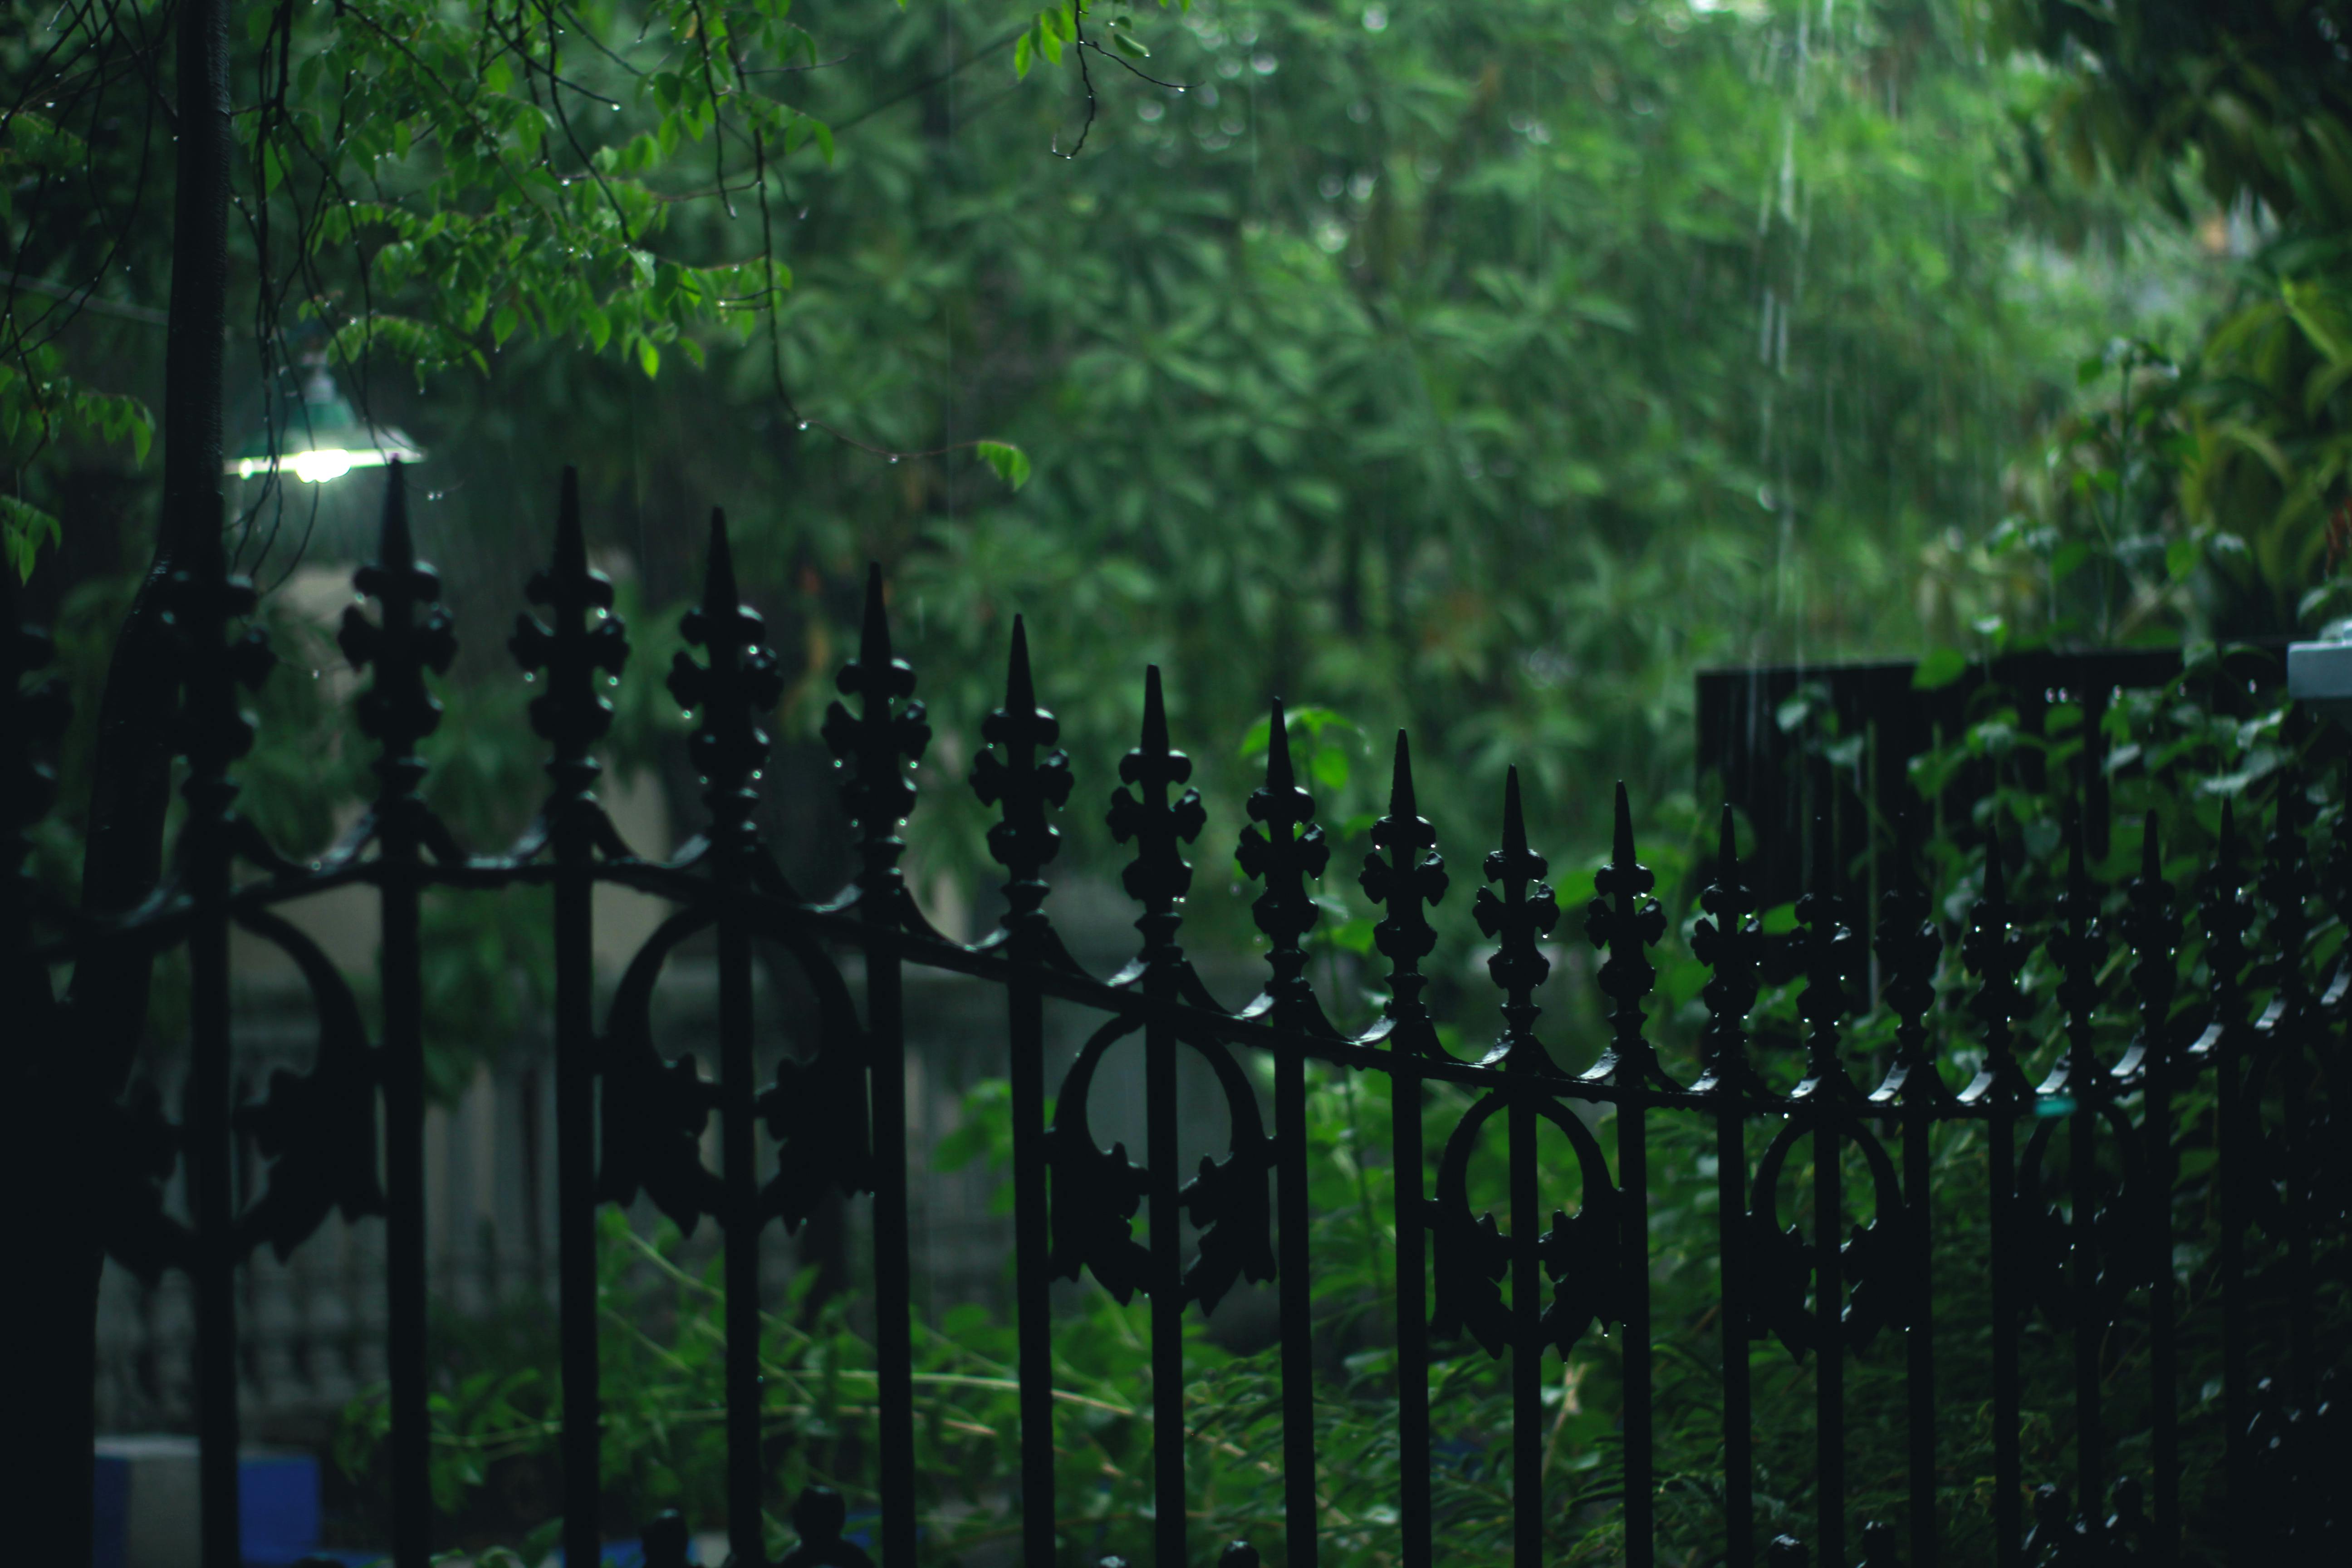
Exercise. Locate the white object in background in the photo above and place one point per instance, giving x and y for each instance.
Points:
(2319, 675)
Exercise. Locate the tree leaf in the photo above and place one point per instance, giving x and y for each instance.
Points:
(1009, 462)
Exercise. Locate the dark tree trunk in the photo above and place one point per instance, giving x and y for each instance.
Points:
(50, 1391)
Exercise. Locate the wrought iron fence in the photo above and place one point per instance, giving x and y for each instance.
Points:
(2268, 1027)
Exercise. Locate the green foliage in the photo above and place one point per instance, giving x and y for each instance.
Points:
(2212, 494)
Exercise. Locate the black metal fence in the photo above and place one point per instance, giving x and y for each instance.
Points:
(2265, 1035)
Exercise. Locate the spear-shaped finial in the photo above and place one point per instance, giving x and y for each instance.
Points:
(1829, 949)
(397, 550)
(1625, 920)
(1155, 714)
(1283, 847)
(1908, 947)
(1516, 920)
(1020, 690)
(1995, 951)
(1028, 779)
(736, 689)
(1158, 877)
(1725, 940)
(2152, 928)
(874, 747)
(1403, 873)
(1278, 775)
(2079, 945)
(1401, 803)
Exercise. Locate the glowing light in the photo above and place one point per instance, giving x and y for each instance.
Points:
(317, 467)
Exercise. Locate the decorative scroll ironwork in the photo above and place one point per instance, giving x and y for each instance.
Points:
(2077, 1242)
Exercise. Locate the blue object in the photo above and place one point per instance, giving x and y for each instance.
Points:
(145, 1508)
(112, 1507)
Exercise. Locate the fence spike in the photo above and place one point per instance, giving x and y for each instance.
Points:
(1726, 940)
(1828, 945)
(572, 645)
(2079, 945)
(736, 685)
(1030, 778)
(1283, 847)
(1909, 944)
(1158, 877)
(874, 749)
(1404, 874)
(1624, 921)
(1516, 920)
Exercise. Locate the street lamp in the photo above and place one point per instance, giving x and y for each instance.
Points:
(320, 438)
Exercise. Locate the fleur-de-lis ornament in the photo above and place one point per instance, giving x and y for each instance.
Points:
(1517, 920)
(1405, 875)
(578, 640)
(1623, 920)
(2285, 887)
(1828, 949)
(1032, 779)
(1284, 849)
(2079, 944)
(875, 748)
(1729, 942)
(2225, 914)
(733, 692)
(1140, 811)
(1908, 947)
(397, 710)
(1995, 950)
(2152, 930)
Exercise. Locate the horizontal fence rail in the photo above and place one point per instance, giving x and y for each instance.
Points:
(2082, 1166)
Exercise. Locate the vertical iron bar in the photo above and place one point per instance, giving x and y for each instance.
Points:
(1830, 1348)
(2230, 1153)
(2007, 1413)
(1032, 1302)
(1159, 877)
(398, 711)
(1413, 1316)
(1405, 874)
(1166, 1288)
(575, 1198)
(2295, 1203)
(1738, 1459)
(736, 688)
(204, 601)
(1726, 941)
(572, 646)
(1829, 960)
(893, 1285)
(2079, 944)
(2090, 1464)
(404, 1109)
(1519, 919)
(2163, 1362)
(2225, 913)
(741, 1265)
(1029, 778)
(1919, 1335)
(1625, 920)
(1633, 1183)
(1292, 1277)
(1527, 1336)
(1995, 951)
(209, 1156)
